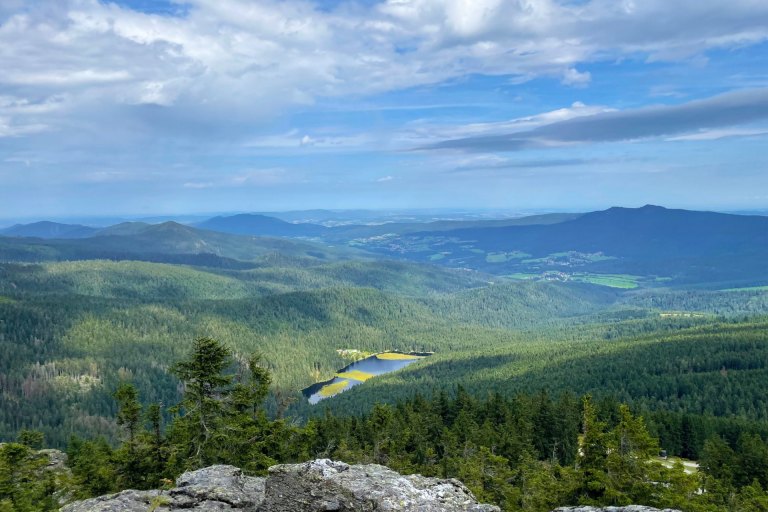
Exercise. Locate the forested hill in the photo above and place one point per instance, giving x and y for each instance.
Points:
(637, 246)
(168, 242)
(650, 232)
(261, 225)
(678, 245)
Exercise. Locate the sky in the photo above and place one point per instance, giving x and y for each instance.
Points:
(148, 107)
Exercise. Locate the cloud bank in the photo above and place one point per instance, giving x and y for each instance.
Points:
(239, 60)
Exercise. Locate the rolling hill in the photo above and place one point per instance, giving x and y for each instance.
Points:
(169, 242)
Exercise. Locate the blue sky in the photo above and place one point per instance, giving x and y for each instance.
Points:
(167, 107)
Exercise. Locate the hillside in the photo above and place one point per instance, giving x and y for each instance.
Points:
(619, 247)
(171, 242)
(711, 371)
(651, 242)
(70, 330)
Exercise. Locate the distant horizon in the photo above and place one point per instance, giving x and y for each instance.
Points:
(439, 213)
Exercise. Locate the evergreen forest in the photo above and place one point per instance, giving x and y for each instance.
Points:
(538, 391)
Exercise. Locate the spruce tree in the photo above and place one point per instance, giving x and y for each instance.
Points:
(197, 432)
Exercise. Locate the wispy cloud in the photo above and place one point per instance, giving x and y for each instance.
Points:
(720, 111)
(719, 134)
(521, 164)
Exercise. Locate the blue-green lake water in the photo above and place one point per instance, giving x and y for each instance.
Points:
(371, 365)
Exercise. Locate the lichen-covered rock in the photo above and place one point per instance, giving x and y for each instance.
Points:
(57, 460)
(325, 485)
(320, 485)
(627, 508)
(214, 488)
(126, 501)
(225, 484)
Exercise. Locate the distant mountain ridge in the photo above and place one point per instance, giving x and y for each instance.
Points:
(260, 225)
(649, 231)
(47, 229)
(651, 241)
(166, 242)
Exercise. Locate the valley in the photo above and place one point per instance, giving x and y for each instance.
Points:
(81, 313)
(346, 328)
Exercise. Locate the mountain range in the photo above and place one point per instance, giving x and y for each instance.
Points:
(650, 242)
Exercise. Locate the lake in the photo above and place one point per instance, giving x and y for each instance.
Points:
(359, 372)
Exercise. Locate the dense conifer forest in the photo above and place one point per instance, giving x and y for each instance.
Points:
(528, 452)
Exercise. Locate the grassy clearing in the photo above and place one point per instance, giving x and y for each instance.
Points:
(334, 388)
(395, 356)
(355, 375)
(624, 281)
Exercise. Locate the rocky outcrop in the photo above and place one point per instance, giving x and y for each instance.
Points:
(317, 486)
(320, 485)
(57, 460)
(208, 489)
(628, 508)
(327, 485)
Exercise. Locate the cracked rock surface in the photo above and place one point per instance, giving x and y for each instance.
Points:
(316, 486)
(208, 489)
(324, 485)
(320, 485)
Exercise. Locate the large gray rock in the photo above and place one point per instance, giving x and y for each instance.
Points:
(57, 460)
(224, 484)
(325, 485)
(320, 485)
(126, 501)
(628, 508)
(210, 489)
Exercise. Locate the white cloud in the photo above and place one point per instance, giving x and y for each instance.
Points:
(423, 133)
(250, 59)
(572, 76)
(719, 134)
(10, 129)
(64, 77)
(198, 184)
(293, 139)
(707, 119)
